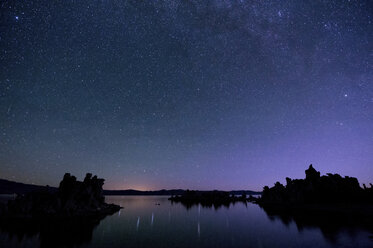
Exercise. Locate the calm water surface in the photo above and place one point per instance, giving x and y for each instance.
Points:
(152, 221)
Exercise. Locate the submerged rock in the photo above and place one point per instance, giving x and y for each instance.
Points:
(73, 198)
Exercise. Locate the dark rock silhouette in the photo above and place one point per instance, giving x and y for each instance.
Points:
(312, 174)
(316, 189)
(208, 198)
(73, 198)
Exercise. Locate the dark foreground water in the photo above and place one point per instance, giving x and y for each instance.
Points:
(152, 221)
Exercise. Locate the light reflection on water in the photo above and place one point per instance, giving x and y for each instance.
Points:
(153, 221)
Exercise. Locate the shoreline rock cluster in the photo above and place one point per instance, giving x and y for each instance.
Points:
(316, 189)
(209, 198)
(73, 199)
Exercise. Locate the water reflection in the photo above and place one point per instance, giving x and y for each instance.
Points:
(331, 225)
(190, 204)
(198, 229)
(137, 223)
(151, 222)
(52, 233)
(142, 223)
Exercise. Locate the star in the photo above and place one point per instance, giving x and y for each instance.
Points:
(219, 88)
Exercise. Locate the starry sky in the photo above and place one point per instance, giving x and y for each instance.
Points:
(213, 94)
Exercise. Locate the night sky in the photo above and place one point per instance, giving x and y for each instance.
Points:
(185, 94)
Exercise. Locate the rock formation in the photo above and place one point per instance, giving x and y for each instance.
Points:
(208, 198)
(73, 198)
(314, 189)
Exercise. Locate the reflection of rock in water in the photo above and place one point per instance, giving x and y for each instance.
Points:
(329, 222)
(216, 205)
(68, 232)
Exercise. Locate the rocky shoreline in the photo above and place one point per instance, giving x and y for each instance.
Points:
(328, 195)
(209, 198)
(73, 199)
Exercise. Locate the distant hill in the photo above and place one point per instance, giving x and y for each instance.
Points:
(10, 187)
(247, 192)
(139, 192)
(169, 192)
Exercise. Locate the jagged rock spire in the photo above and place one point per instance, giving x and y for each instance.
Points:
(311, 173)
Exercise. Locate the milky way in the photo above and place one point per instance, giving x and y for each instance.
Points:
(185, 94)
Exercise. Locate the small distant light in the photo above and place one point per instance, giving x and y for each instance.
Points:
(345, 95)
(17, 18)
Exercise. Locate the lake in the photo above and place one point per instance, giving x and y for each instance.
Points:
(153, 221)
